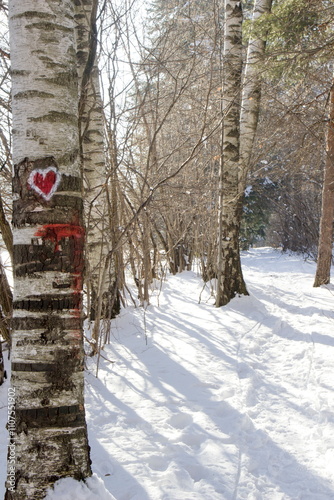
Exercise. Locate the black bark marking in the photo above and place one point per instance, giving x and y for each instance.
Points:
(55, 327)
(31, 14)
(64, 365)
(50, 302)
(61, 285)
(66, 79)
(56, 117)
(62, 207)
(33, 93)
(61, 416)
(31, 367)
(48, 26)
(39, 257)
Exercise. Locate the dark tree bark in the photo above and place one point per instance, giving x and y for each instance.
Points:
(324, 261)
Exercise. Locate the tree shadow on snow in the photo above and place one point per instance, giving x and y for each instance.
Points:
(258, 457)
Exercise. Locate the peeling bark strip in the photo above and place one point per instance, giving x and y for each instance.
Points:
(47, 341)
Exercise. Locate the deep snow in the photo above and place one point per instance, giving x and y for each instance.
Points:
(215, 404)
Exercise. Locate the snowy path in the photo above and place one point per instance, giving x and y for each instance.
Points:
(235, 403)
(227, 404)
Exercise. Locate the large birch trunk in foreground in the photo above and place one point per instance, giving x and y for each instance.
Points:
(323, 273)
(101, 282)
(47, 346)
(230, 281)
(251, 93)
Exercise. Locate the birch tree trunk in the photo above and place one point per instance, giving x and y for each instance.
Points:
(2, 366)
(100, 284)
(6, 296)
(325, 248)
(229, 274)
(251, 93)
(50, 434)
(5, 230)
(5, 315)
(6, 304)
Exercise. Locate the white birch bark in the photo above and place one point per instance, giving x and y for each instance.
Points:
(2, 367)
(251, 92)
(6, 302)
(47, 344)
(100, 284)
(229, 275)
(95, 189)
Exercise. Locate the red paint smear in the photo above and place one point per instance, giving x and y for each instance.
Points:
(45, 182)
(57, 232)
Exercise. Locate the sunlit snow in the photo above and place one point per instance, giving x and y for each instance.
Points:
(215, 404)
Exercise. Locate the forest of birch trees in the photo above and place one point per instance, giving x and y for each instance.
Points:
(136, 139)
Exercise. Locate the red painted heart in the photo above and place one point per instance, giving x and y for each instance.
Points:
(44, 182)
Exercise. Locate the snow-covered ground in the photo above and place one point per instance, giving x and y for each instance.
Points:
(202, 403)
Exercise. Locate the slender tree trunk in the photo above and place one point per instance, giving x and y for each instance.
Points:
(325, 247)
(96, 200)
(6, 296)
(99, 283)
(5, 230)
(230, 280)
(146, 276)
(251, 93)
(2, 366)
(50, 434)
(6, 301)
(6, 304)
(117, 277)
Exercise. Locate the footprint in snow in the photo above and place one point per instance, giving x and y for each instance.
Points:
(196, 472)
(157, 463)
(192, 439)
(180, 420)
(244, 371)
